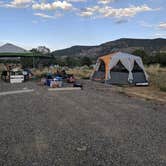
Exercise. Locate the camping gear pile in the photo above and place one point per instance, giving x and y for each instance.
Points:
(53, 81)
(120, 68)
(60, 79)
(27, 74)
(16, 75)
(70, 78)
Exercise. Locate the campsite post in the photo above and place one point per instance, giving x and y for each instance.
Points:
(33, 60)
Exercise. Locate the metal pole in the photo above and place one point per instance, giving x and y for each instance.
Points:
(33, 60)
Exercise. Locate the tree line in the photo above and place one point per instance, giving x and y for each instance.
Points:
(158, 58)
(73, 61)
(69, 61)
(61, 61)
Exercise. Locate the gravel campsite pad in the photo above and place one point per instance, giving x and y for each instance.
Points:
(96, 126)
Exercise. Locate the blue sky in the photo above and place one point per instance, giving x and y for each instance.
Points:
(59, 24)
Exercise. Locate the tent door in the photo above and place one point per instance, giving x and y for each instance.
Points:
(138, 74)
(119, 74)
(100, 74)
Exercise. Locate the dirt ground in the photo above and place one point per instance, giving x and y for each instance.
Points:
(97, 126)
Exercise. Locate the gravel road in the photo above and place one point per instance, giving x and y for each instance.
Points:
(93, 127)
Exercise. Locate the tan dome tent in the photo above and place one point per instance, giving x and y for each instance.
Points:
(120, 68)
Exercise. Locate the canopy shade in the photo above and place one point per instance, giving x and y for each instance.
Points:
(6, 54)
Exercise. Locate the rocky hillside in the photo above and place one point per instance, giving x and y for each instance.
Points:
(150, 46)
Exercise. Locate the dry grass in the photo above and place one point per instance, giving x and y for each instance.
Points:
(148, 93)
(41, 72)
(157, 77)
(155, 91)
(82, 72)
(157, 88)
(2, 67)
(79, 72)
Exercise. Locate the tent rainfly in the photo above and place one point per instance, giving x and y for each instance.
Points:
(120, 68)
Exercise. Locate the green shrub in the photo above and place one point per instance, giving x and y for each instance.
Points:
(163, 88)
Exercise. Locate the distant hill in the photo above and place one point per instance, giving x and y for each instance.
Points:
(11, 48)
(150, 46)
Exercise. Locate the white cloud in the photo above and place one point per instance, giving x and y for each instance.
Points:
(89, 11)
(107, 11)
(19, 3)
(123, 12)
(146, 24)
(105, 1)
(97, 11)
(44, 15)
(120, 21)
(64, 5)
(76, 0)
(160, 35)
(162, 25)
